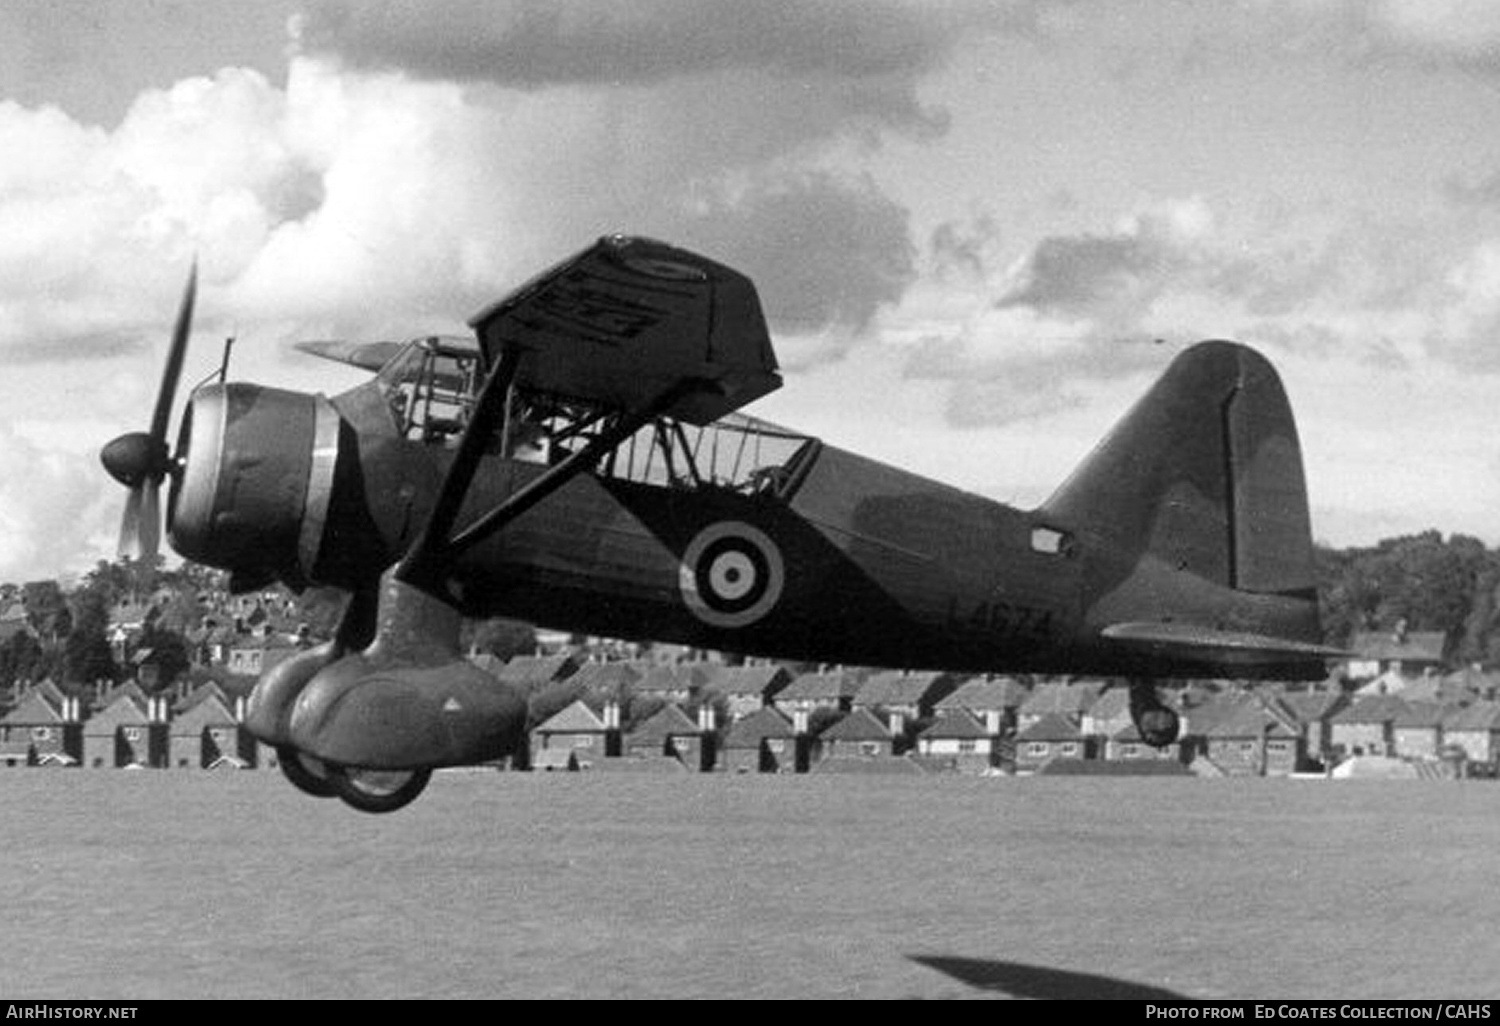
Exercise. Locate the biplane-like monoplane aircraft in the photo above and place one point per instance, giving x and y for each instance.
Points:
(581, 463)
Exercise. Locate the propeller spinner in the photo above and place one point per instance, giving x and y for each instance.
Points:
(141, 460)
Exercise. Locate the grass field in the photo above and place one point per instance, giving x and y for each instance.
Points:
(168, 884)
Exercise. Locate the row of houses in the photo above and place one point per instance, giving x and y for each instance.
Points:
(706, 715)
(125, 726)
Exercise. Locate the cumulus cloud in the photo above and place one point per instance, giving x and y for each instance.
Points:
(1075, 312)
(867, 54)
(825, 252)
(1456, 33)
(1090, 275)
(37, 484)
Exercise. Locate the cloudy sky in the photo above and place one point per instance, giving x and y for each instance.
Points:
(979, 228)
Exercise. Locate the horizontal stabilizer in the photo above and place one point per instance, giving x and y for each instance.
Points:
(1193, 642)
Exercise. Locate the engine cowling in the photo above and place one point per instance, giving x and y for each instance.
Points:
(256, 483)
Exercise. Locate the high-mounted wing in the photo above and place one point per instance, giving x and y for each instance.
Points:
(370, 356)
(628, 319)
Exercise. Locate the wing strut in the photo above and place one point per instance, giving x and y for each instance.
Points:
(426, 564)
(375, 720)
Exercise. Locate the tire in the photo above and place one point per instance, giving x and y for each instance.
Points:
(377, 790)
(307, 774)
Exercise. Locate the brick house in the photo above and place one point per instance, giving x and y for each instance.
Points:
(1417, 731)
(1070, 699)
(1468, 684)
(1408, 653)
(673, 682)
(574, 738)
(859, 735)
(1107, 715)
(1051, 736)
(1475, 729)
(1314, 712)
(1127, 745)
(671, 736)
(1366, 726)
(745, 689)
(914, 695)
(607, 680)
(993, 700)
(959, 738)
(129, 729)
(42, 728)
(763, 742)
(1260, 740)
(207, 733)
(833, 689)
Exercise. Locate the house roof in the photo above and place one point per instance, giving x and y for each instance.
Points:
(1403, 645)
(1111, 704)
(1371, 709)
(982, 694)
(811, 687)
(607, 679)
(127, 705)
(897, 687)
(1201, 719)
(41, 705)
(1255, 719)
(1061, 697)
(575, 719)
(749, 731)
(529, 672)
(1389, 682)
(757, 681)
(670, 678)
(956, 723)
(1419, 714)
(1051, 727)
(1479, 716)
(1312, 706)
(210, 710)
(859, 725)
(668, 721)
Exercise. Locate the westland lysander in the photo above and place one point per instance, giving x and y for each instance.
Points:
(581, 463)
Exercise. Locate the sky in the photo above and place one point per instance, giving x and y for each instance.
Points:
(979, 228)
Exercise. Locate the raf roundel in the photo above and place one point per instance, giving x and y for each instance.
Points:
(731, 574)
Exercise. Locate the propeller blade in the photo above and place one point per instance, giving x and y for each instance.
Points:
(150, 528)
(130, 523)
(173, 369)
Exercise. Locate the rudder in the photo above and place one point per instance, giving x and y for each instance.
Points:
(1205, 473)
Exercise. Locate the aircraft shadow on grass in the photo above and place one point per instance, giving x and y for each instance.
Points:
(1041, 982)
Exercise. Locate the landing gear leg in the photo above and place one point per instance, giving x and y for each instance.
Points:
(1158, 725)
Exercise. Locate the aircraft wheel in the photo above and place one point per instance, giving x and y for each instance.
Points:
(1159, 727)
(372, 790)
(307, 774)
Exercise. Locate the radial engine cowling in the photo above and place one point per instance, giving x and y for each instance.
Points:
(257, 479)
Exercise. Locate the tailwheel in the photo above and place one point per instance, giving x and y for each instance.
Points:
(307, 774)
(1158, 724)
(377, 790)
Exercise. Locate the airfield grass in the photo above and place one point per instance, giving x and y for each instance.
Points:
(178, 884)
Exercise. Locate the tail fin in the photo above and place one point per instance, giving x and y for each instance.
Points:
(1205, 473)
